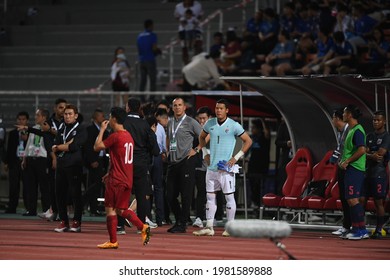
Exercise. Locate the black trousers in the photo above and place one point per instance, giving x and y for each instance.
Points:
(95, 186)
(68, 181)
(36, 173)
(15, 176)
(181, 181)
(142, 187)
(200, 201)
(158, 188)
(347, 223)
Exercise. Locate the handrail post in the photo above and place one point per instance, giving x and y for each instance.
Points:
(220, 20)
(171, 63)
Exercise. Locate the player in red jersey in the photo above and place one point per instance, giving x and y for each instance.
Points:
(119, 179)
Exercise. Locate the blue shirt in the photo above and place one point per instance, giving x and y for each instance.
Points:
(282, 49)
(253, 26)
(145, 42)
(323, 48)
(343, 49)
(268, 27)
(364, 25)
(222, 139)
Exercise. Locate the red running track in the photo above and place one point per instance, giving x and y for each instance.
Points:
(36, 240)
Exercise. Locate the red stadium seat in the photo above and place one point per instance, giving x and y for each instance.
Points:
(298, 175)
(329, 202)
(324, 170)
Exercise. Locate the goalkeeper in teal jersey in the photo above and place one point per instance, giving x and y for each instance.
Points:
(222, 164)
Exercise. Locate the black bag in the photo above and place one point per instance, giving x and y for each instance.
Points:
(316, 188)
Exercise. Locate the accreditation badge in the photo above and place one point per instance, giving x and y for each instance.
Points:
(173, 145)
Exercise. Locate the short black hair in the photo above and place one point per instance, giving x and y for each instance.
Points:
(148, 23)
(338, 113)
(204, 110)
(96, 112)
(151, 120)
(23, 113)
(134, 104)
(45, 113)
(119, 114)
(224, 101)
(380, 113)
(60, 100)
(354, 110)
(160, 112)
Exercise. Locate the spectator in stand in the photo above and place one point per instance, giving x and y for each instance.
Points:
(288, 19)
(363, 26)
(324, 43)
(230, 53)
(253, 27)
(120, 74)
(339, 57)
(147, 52)
(344, 21)
(69, 172)
(182, 7)
(374, 63)
(378, 145)
(279, 60)
(35, 163)
(12, 163)
(179, 14)
(96, 163)
(247, 63)
(202, 73)
(3, 137)
(189, 30)
(268, 34)
(218, 42)
(303, 27)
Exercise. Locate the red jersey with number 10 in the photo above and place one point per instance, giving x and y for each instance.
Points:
(120, 144)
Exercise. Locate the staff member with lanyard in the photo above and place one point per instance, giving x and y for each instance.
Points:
(68, 148)
(182, 131)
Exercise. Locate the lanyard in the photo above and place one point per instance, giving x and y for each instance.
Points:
(65, 136)
(174, 131)
(55, 126)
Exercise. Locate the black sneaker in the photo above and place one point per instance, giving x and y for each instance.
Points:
(120, 230)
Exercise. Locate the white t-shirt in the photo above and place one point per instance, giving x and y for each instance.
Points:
(196, 10)
(200, 70)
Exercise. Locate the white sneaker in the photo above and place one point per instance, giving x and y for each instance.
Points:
(340, 231)
(150, 223)
(198, 223)
(204, 232)
(45, 215)
(225, 234)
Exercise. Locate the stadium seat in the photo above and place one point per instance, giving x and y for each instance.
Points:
(298, 175)
(322, 171)
(329, 202)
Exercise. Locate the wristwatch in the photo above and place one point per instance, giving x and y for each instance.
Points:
(196, 150)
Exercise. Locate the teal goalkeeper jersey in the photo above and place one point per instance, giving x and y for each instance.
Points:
(222, 139)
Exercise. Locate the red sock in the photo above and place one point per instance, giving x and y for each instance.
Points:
(112, 222)
(133, 218)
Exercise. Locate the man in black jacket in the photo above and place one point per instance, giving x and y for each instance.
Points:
(12, 163)
(68, 148)
(145, 146)
(96, 163)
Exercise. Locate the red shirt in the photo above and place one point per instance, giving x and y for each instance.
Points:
(121, 145)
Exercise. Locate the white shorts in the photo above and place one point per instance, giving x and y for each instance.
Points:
(220, 180)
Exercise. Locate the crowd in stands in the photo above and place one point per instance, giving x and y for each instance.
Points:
(307, 37)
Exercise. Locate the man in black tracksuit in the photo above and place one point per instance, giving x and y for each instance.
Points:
(145, 146)
(68, 148)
